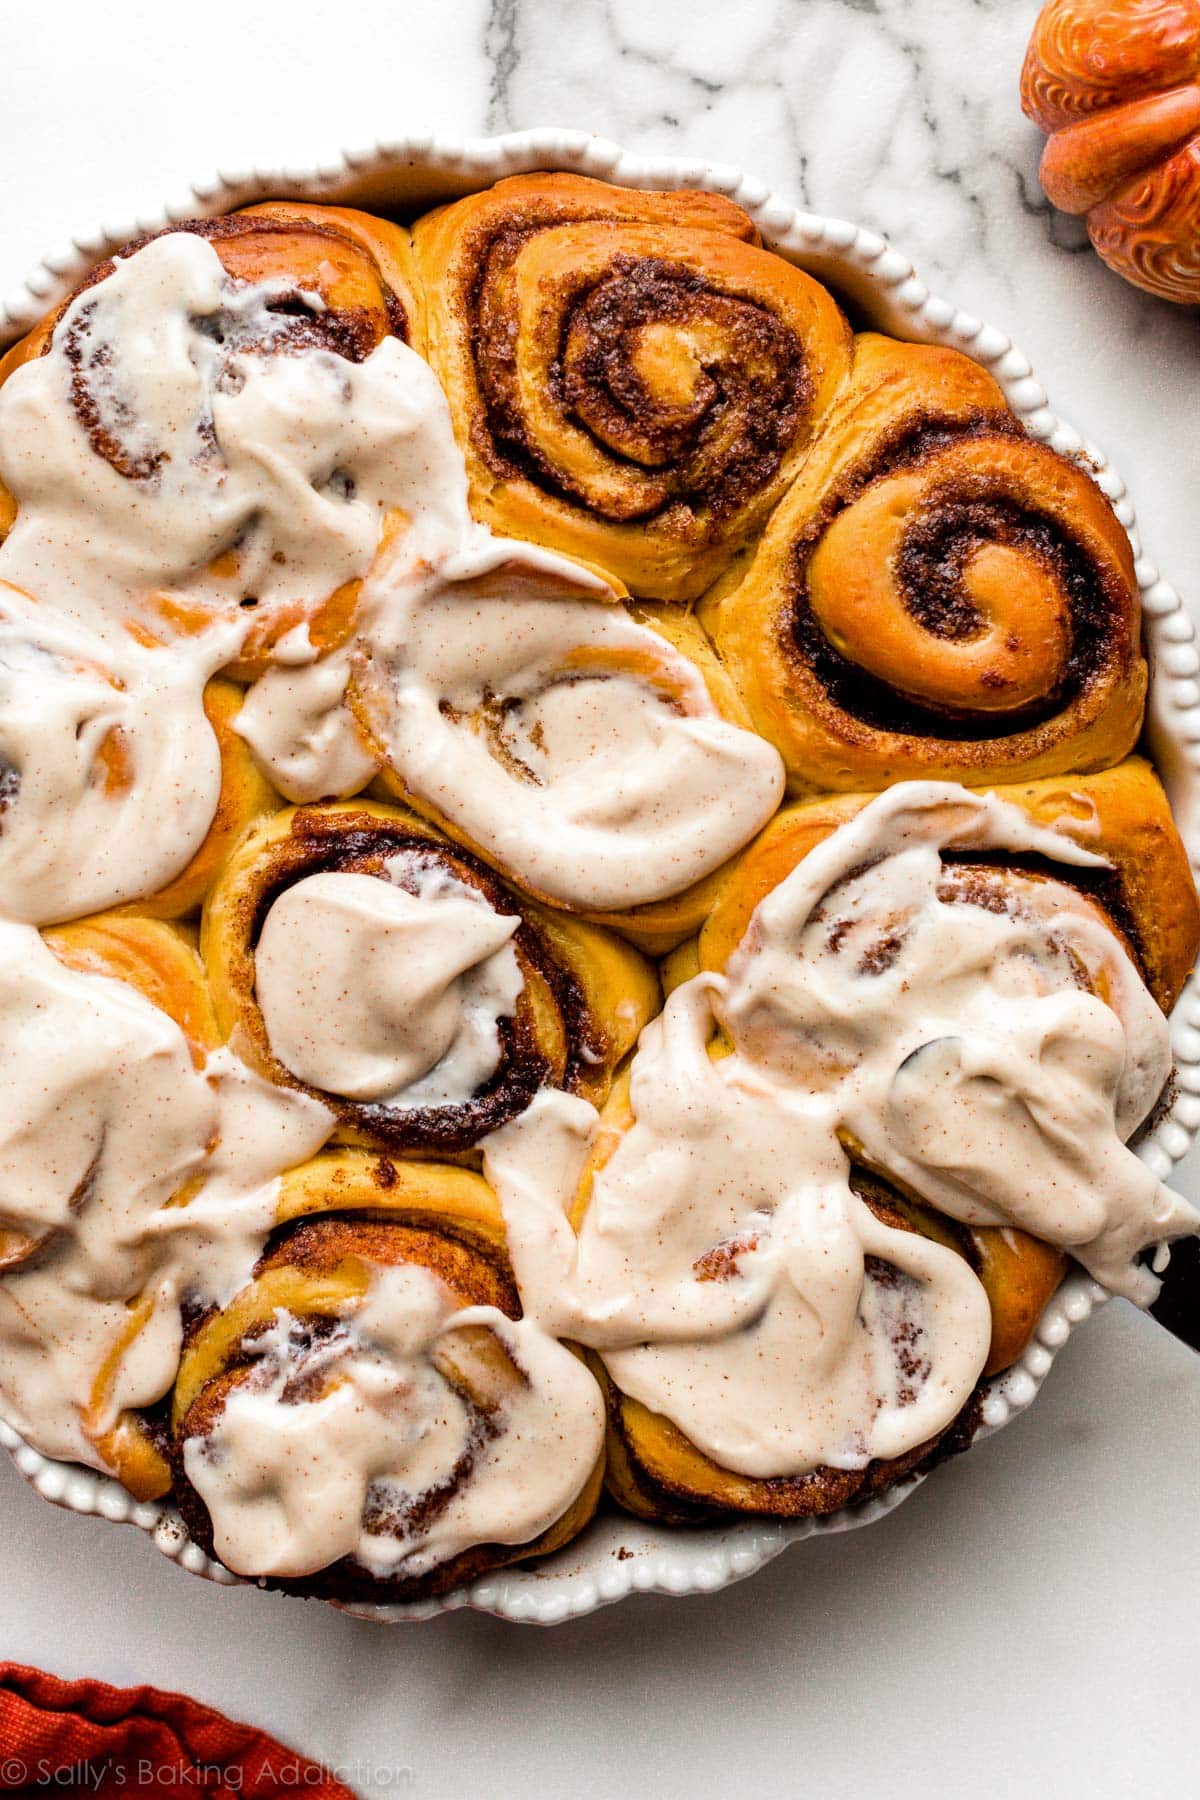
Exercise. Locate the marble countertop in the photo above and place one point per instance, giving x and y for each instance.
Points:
(1026, 1623)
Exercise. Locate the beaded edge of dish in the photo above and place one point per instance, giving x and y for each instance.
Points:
(618, 1557)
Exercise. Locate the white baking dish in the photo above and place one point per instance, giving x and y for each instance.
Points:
(619, 1555)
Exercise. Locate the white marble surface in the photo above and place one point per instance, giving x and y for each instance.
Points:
(1028, 1622)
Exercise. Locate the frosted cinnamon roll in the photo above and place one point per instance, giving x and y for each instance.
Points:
(112, 768)
(358, 956)
(212, 432)
(633, 378)
(936, 595)
(137, 1168)
(966, 976)
(769, 1341)
(440, 1435)
(599, 759)
(243, 797)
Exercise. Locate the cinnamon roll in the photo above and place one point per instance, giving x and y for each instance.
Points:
(977, 979)
(112, 769)
(441, 1435)
(768, 1339)
(842, 1174)
(136, 1167)
(278, 323)
(94, 1142)
(243, 797)
(1140, 879)
(361, 1213)
(597, 755)
(633, 379)
(358, 956)
(936, 595)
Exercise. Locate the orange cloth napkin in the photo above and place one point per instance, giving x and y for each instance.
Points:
(87, 1738)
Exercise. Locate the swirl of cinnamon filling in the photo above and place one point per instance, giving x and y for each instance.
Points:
(368, 1419)
(633, 378)
(220, 411)
(936, 594)
(356, 955)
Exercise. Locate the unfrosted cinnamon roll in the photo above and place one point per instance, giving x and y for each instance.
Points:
(936, 595)
(441, 1435)
(633, 378)
(357, 955)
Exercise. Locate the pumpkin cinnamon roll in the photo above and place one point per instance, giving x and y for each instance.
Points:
(980, 981)
(244, 796)
(122, 779)
(844, 1171)
(768, 1339)
(936, 595)
(596, 753)
(158, 961)
(358, 956)
(1134, 871)
(210, 431)
(95, 1140)
(443, 1436)
(633, 378)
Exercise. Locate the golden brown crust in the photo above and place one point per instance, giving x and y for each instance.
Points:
(585, 998)
(632, 377)
(314, 1268)
(936, 595)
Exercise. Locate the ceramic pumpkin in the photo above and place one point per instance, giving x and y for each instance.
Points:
(1116, 84)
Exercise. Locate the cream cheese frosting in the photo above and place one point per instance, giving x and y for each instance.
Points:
(376, 993)
(947, 1026)
(136, 1180)
(974, 1056)
(722, 1264)
(388, 1458)
(177, 482)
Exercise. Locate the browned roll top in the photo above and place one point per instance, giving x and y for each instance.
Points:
(632, 375)
(937, 594)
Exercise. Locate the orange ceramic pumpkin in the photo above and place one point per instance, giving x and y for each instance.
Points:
(1116, 83)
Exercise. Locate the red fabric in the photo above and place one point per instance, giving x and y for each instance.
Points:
(83, 1737)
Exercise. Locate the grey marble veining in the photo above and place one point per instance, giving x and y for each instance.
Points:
(903, 115)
